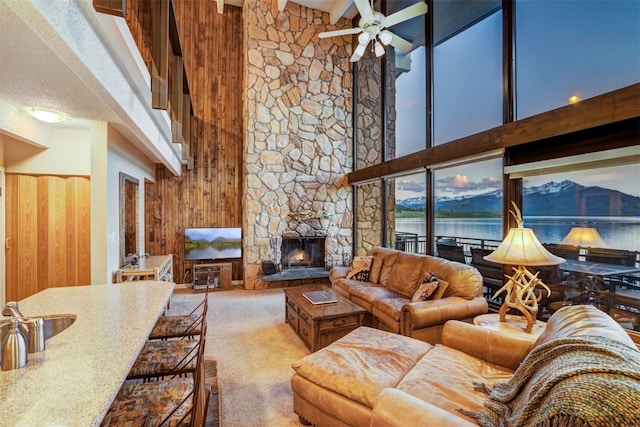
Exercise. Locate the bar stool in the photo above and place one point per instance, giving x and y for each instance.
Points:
(177, 326)
(170, 357)
(170, 402)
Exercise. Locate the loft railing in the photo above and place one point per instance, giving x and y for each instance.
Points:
(153, 26)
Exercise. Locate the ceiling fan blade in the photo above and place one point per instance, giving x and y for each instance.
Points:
(399, 43)
(365, 10)
(405, 14)
(359, 51)
(343, 32)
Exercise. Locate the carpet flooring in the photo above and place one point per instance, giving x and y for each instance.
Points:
(253, 349)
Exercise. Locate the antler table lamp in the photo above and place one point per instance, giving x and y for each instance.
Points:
(522, 248)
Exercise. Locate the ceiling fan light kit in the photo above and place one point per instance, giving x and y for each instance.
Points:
(372, 26)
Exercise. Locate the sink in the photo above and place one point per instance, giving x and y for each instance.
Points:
(53, 325)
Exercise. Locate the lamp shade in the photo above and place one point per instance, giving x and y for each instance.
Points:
(522, 247)
(584, 236)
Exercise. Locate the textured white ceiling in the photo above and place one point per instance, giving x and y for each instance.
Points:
(33, 72)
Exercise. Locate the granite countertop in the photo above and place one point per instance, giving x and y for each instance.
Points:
(74, 381)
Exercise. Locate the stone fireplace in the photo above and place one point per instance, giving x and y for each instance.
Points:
(298, 138)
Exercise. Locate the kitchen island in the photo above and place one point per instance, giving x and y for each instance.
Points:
(74, 381)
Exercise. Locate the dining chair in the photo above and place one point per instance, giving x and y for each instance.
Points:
(451, 252)
(492, 273)
(612, 256)
(563, 251)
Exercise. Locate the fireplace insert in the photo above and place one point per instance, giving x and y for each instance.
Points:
(302, 252)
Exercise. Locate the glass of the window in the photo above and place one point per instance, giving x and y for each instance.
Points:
(407, 198)
(467, 60)
(468, 204)
(568, 50)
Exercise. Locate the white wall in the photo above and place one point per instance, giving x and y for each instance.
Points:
(68, 152)
(123, 157)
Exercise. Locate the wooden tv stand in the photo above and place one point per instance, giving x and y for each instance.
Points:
(213, 276)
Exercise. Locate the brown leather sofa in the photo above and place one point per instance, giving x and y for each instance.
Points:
(393, 279)
(376, 378)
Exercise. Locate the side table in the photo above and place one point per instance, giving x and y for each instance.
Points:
(514, 325)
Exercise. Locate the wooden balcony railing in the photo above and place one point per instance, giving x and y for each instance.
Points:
(153, 26)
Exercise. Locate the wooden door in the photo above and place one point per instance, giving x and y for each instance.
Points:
(48, 233)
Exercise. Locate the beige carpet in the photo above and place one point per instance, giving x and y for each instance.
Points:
(254, 349)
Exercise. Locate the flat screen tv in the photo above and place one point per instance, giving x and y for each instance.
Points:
(212, 243)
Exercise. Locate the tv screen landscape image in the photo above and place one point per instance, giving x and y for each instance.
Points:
(212, 243)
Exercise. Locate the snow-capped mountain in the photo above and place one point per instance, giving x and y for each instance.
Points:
(553, 198)
(416, 203)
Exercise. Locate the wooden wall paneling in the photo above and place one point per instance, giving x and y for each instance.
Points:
(209, 194)
(111, 7)
(42, 235)
(52, 232)
(79, 239)
(48, 226)
(22, 232)
(71, 238)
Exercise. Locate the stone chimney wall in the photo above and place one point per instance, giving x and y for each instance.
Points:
(298, 126)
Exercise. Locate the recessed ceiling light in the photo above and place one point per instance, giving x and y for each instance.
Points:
(46, 115)
(573, 99)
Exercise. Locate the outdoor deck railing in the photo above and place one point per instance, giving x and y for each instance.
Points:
(413, 243)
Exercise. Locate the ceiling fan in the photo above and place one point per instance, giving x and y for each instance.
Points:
(372, 27)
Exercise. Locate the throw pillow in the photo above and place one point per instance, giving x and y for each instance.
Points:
(360, 268)
(440, 290)
(376, 268)
(425, 291)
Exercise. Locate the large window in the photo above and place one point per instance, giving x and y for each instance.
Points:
(607, 199)
(410, 103)
(570, 50)
(467, 72)
(468, 203)
(408, 228)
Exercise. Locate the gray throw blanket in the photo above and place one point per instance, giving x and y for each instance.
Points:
(579, 381)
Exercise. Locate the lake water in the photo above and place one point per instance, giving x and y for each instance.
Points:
(617, 232)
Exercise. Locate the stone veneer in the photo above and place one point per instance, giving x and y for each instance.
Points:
(370, 142)
(298, 126)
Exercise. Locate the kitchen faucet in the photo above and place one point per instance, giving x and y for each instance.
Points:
(32, 328)
(12, 309)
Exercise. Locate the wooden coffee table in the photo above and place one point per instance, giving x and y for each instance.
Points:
(320, 325)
